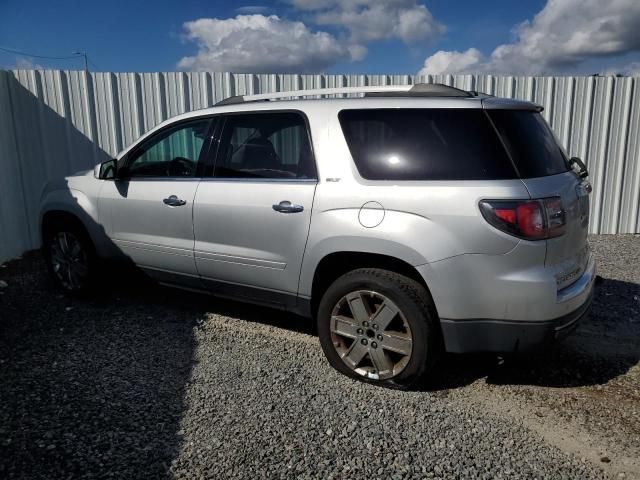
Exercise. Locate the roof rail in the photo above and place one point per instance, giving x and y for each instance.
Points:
(427, 90)
(417, 90)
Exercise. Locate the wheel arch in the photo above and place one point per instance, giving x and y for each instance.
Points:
(54, 217)
(336, 264)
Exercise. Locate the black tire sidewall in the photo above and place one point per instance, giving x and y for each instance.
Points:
(414, 302)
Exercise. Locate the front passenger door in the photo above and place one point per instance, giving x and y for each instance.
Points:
(149, 206)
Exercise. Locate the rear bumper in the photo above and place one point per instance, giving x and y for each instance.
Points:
(486, 335)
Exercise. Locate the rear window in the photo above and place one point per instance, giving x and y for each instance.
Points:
(530, 142)
(425, 144)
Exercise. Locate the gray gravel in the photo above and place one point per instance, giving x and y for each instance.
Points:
(146, 382)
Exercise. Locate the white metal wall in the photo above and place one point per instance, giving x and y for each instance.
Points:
(56, 122)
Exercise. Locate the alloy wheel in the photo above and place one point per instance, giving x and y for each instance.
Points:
(69, 260)
(371, 334)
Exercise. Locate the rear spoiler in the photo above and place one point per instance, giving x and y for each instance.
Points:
(496, 103)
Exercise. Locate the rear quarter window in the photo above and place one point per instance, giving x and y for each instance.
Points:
(531, 143)
(425, 144)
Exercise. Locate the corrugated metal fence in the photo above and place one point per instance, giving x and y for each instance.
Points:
(56, 122)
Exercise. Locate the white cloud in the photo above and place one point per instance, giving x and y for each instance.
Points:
(451, 62)
(258, 43)
(561, 36)
(369, 20)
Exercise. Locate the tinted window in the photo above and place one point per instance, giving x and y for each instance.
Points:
(530, 141)
(265, 145)
(174, 152)
(425, 144)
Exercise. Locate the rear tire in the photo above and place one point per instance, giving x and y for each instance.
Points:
(70, 257)
(380, 327)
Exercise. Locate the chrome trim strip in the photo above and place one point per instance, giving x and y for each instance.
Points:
(260, 180)
(181, 252)
(220, 179)
(245, 261)
(158, 179)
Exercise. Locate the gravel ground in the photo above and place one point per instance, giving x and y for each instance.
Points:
(147, 382)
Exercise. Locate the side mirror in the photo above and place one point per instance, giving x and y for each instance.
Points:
(107, 170)
(579, 167)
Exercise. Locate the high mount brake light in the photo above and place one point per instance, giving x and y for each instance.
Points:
(528, 219)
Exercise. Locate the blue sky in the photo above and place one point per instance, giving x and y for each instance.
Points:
(461, 36)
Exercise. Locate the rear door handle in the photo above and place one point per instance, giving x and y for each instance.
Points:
(286, 206)
(174, 201)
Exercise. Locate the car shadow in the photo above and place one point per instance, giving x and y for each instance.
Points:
(97, 384)
(138, 285)
(605, 345)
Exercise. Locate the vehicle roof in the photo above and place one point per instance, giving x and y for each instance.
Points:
(394, 97)
(338, 104)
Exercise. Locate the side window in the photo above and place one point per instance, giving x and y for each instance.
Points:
(265, 145)
(171, 153)
(425, 144)
(530, 141)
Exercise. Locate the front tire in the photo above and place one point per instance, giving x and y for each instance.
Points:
(380, 327)
(70, 257)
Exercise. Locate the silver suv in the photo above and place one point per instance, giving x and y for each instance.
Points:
(407, 221)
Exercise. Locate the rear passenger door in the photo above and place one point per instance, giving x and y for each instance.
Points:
(252, 211)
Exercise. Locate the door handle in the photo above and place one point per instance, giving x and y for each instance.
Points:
(286, 206)
(174, 201)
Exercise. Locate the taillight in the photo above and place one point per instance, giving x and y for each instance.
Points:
(556, 216)
(528, 219)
